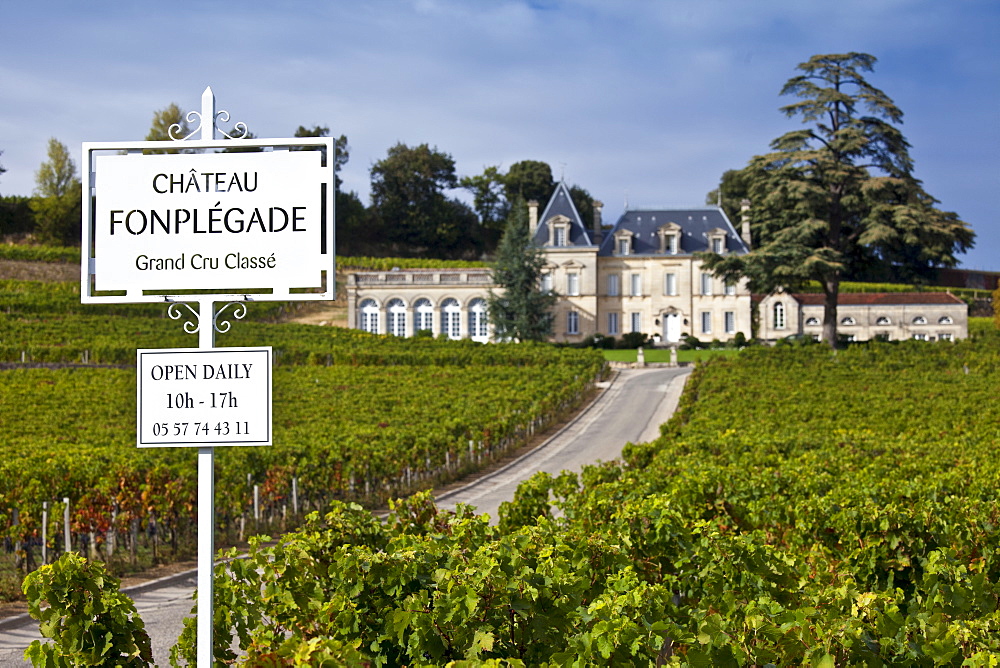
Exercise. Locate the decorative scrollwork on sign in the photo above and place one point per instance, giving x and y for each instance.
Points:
(240, 130)
(175, 313)
(239, 312)
(191, 117)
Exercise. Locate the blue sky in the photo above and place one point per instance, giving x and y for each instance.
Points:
(636, 100)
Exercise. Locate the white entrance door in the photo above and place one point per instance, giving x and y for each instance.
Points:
(672, 328)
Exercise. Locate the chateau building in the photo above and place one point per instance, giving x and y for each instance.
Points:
(642, 276)
(925, 316)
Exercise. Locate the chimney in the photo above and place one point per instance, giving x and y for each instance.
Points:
(532, 216)
(745, 221)
(598, 232)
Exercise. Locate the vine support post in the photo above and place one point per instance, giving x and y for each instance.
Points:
(67, 537)
(45, 532)
(206, 494)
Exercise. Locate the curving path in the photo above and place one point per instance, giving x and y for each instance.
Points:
(630, 408)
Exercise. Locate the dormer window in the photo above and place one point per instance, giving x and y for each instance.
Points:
(624, 242)
(559, 231)
(717, 240)
(670, 238)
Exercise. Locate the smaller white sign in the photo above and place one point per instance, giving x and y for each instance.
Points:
(188, 397)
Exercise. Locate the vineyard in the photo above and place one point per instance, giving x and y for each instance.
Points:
(356, 418)
(803, 507)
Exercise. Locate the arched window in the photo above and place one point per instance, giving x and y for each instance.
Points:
(920, 320)
(369, 316)
(848, 321)
(450, 315)
(945, 320)
(477, 320)
(883, 320)
(396, 311)
(423, 311)
(812, 321)
(779, 315)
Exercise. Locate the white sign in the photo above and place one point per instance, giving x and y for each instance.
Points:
(210, 221)
(203, 397)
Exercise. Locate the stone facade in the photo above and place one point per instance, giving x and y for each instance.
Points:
(642, 276)
(401, 302)
(929, 316)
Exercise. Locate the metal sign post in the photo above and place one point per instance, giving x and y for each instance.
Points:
(189, 222)
(206, 509)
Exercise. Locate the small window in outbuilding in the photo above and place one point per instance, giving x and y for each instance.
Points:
(848, 321)
(883, 320)
(450, 316)
(396, 310)
(945, 320)
(369, 316)
(424, 315)
(919, 320)
(812, 321)
(779, 315)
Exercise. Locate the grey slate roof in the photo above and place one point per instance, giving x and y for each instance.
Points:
(562, 204)
(695, 225)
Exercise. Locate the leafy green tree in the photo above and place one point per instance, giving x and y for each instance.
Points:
(734, 189)
(489, 202)
(57, 175)
(238, 133)
(522, 312)
(57, 202)
(16, 216)
(584, 203)
(163, 120)
(530, 180)
(410, 208)
(839, 193)
(354, 232)
(342, 150)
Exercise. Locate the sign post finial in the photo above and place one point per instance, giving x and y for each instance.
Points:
(208, 114)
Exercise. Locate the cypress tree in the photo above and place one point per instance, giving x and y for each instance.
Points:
(522, 312)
